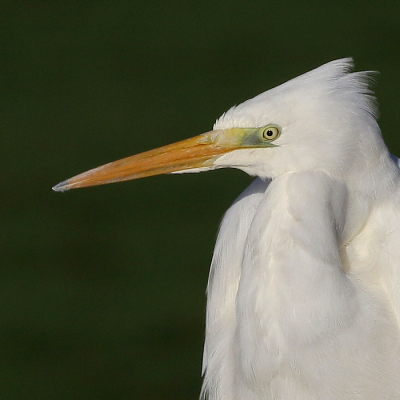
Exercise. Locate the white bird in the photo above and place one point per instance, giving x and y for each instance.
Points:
(304, 286)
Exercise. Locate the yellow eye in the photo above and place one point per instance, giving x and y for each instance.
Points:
(270, 133)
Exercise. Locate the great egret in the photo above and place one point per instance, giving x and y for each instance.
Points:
(304, 286)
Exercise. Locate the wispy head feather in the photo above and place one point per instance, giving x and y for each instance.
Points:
(331, 83)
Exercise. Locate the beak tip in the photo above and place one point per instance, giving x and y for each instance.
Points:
(61, 187)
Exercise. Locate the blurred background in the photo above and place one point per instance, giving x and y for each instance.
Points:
(102, 289)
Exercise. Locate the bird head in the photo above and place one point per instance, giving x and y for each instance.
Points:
(324, 119)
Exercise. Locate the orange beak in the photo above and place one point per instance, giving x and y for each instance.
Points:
(197, 152)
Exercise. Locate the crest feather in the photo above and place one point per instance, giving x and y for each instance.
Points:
(331, 82)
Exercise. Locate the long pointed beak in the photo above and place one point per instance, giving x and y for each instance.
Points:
(197, 152)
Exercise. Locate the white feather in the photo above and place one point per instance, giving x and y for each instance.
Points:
(304, 287)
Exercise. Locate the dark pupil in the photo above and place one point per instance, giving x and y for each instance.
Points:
(269, 132)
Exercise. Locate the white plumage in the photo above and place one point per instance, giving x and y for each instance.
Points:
(304, 287)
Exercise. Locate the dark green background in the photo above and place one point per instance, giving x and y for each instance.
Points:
(102, 289)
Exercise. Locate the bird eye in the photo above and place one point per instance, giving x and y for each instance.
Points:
(270, 133)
